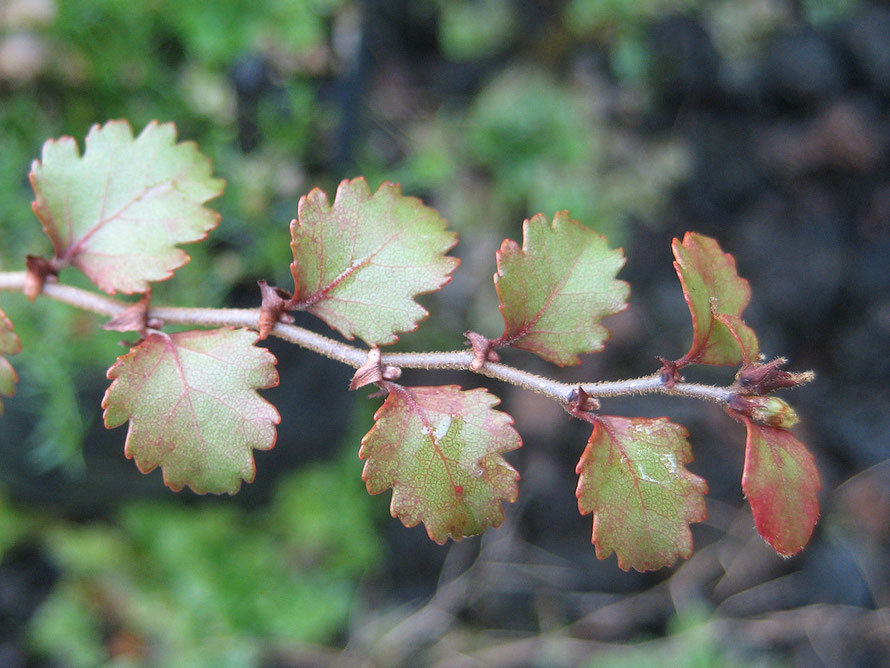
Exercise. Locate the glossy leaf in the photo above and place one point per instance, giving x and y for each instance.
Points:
(439, 449)
(557, 287)
(632, 477)
(9, 345)
(717, 297)
(192, 405)
(118, 211)
(359, 263)
(781, 482)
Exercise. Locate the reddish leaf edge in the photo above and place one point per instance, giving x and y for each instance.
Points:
(693, 356)
(504, 341)
(12, 345)
(484, 349)
(305, 304)
(43, 269)
(788, 536)
(178, 488)
(387, 388)
(578, 408)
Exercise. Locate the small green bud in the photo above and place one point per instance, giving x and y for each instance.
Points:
(771, 411)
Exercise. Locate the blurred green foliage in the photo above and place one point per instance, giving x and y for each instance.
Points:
(622, 25)
(212, 584)
(691, 643)
(472, 29)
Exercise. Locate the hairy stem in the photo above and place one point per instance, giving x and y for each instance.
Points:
(355, 357)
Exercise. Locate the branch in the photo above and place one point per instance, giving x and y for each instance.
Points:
(355, 357)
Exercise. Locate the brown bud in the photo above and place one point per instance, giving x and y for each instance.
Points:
(273, 308)
(580, 401)
(38, 270)
(669, 372)
(482, 350)
(372, 371)
(765, 378)
(134, 318)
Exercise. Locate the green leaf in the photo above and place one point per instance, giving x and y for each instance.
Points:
(781, 482)
(359, 264)
(556, 288)
(118, 211)
(439, 449)
(717, 297)
(9, 345)
(193, 410)
(632, 477)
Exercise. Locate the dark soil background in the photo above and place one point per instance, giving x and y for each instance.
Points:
(788, 166)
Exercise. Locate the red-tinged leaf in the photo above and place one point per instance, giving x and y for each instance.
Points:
(633, 478)
(118, 211)
(745, 338)
(781, 482)
(717, 297)
(439, 449)
(9, 345)
(193, 407)
(359, 264)
(556, 288)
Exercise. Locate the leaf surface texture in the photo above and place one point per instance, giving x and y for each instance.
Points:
(633, 478)
(440, 451)
(557, 287)
(118, 211)
(359, 263)
(193, 408)
(717, 297)
(782, 484)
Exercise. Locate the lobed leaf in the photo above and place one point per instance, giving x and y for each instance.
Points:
(556, 288)
(193, 408)
(118, 211)
(359, 264)
(439, 449)
(632, 477)
(782, 483)
(9, 345)
(717, 297)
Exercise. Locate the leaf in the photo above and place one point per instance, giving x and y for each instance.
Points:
(9, 345)
(632, 477)
(193, 410)
(556, 288)
(439, 449)
(717, 297)
(781, 482)
(359, 264)
(118, 212)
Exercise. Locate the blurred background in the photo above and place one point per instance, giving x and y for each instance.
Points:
(763, 123)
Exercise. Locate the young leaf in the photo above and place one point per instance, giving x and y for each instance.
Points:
(439, 449)
(9, 345)
(192, 405)
(359, 264)
(632, 477)
(717, 297)
(781, 482)
(556, 288)
(118, 211)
